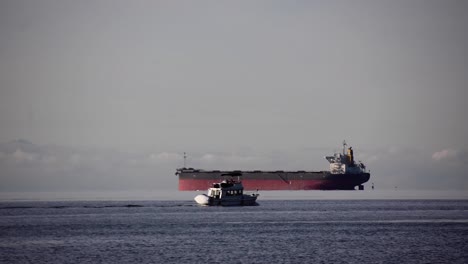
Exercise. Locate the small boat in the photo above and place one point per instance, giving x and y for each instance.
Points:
(229, 192)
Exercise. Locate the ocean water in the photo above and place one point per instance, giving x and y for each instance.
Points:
(275, 231)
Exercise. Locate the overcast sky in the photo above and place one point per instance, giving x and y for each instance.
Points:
(109, 94)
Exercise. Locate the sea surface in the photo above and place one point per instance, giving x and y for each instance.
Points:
(275, 231)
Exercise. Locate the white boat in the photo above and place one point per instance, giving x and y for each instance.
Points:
(229, 192)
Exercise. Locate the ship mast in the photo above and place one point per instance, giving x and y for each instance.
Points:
(185, 159)
(344, 147)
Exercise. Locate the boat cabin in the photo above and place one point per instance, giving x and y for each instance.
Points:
(226, 188)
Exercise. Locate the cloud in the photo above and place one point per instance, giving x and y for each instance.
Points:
(21, 156)
(373, 156)
(48, 159)
(25, 166)
(450, 155)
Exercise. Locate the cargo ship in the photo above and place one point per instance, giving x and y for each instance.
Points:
(344, 174)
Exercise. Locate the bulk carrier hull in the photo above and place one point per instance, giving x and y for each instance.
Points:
(193, 180)
(344, 174)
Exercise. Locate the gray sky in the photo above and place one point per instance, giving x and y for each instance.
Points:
(130, 85)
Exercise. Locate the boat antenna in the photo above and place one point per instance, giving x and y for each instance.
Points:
(185, 158)
(344, 147)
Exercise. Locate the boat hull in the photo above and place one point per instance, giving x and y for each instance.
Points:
(322, 180)
(243, 200)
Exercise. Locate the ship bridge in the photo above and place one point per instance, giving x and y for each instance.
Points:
(343, 163)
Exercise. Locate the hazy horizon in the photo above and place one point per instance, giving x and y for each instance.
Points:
(108, 95)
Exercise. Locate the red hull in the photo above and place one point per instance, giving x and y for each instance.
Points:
(204, 184)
